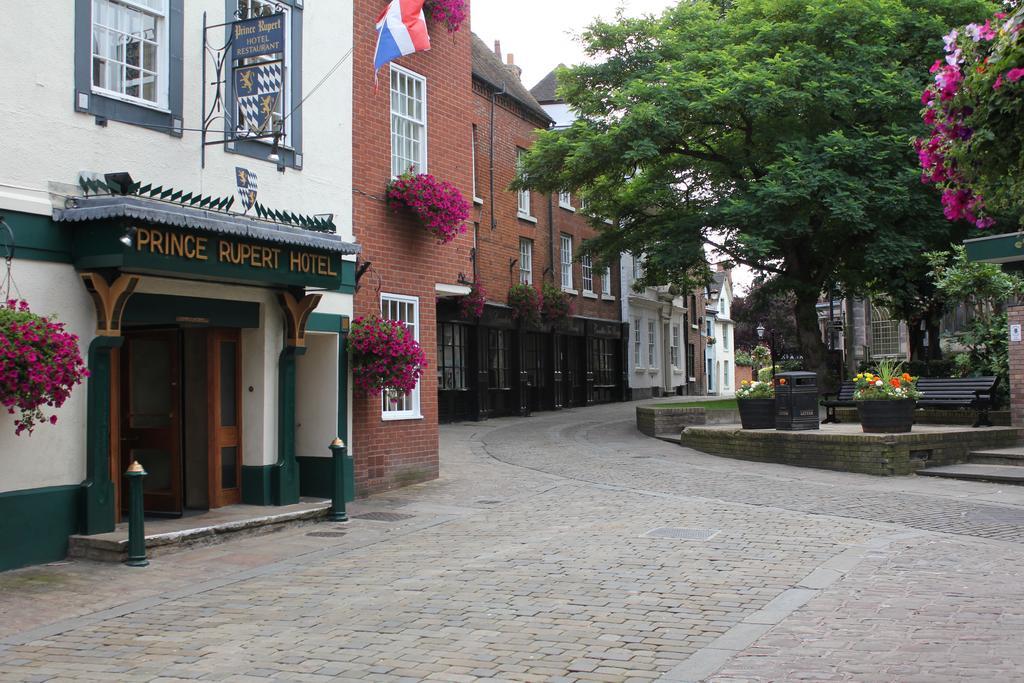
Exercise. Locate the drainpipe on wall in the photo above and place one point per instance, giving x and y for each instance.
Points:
(494, 97)
(551, 238)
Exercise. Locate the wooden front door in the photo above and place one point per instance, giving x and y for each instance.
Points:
(224, 372)
(151, 419)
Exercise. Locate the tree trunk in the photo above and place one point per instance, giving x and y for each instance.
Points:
(916, 338)
(934, 339)
(812, 347)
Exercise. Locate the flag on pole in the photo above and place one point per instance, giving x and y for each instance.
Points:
(401, 30)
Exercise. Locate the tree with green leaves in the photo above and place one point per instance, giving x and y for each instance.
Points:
(777, 132)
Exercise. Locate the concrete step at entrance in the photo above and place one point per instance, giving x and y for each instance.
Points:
(999, 456)
(215, 526)
(1005, 474)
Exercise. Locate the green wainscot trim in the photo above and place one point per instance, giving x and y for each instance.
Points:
(35, 524)
(160, 309)
(348, 277)
(37, 238)
(315, 478)
(256, 484)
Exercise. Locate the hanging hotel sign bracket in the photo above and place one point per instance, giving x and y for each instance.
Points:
(249, 66)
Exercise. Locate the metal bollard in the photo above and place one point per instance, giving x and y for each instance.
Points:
(136, 529)
(338, 513)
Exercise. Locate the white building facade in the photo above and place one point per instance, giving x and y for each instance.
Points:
(723, 330)
(210, 285)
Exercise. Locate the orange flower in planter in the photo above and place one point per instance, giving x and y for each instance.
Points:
(895, 381)
(782, 381)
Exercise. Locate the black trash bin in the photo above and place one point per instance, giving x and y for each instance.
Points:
(796, 401)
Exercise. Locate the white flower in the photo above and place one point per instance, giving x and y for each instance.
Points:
(879, 383)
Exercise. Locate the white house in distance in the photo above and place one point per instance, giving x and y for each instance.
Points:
(720, 301)
(210, 285)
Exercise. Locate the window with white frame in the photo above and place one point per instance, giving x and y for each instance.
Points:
(726, 380)
(584, 204)
(404, 309)
(587, 268)
(129, 50)
(523, 206)
(565, 200)
(725, 337)
(525, 261)
(408, 122)
(674, 349)
(606, 281)
(885, 333)
(638, 268)
(638, 361)
(566, 261)
(652, 335)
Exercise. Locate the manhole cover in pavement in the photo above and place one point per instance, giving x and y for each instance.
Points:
(383, 516)
(681, 534)
(326, 534)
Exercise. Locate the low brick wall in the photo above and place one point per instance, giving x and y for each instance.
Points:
(937, 416)
(652, 420)
(835, 448)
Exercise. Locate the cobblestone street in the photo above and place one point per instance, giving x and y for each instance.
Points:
(531, 560)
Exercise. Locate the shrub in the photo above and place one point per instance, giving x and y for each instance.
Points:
(472, 305)
(385, 357)
(758, 389)
(39, 365)
(555, 304)
(439, 205)
(525, 302)
(887, 383)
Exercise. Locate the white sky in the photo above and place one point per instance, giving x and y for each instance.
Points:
(540, 32)
(541, 35)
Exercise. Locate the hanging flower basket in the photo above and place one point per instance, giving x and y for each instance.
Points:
(448, 13)
(472, 305)
(39, 365)
(525, 302)
(556, 305)
(439, 205)
(385, 357)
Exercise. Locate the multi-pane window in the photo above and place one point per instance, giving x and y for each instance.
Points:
(711, 375)
(404, 309)
(726, 381)
(452, 343)
(566, 261)
(565, 200)
(652, 335)
(606, 282)
(674, 349)
(638, 268)
(885, 333)
(691, 359)
(498, 359)
(725, 337)
(408, 122)
(523, 195)
(587, 266)
(525, 261)
(637, 343)
(129, 49)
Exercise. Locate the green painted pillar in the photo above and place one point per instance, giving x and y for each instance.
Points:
(286, 472)
(136, 517)
(98, 489)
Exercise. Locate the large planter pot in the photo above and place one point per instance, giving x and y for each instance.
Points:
(757, 413)
(886, 417)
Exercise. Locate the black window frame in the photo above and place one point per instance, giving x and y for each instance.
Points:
(106, 108)
(499, 348)
(452, 367)
(290, 152)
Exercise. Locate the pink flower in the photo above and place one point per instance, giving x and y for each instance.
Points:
(999, 82)
(1015, 74)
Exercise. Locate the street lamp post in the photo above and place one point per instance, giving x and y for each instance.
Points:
(771, 347)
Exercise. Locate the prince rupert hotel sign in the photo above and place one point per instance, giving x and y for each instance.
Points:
(258, 36)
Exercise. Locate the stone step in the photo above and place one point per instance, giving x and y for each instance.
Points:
(214, 527)
(1004, 474)
(998, 456)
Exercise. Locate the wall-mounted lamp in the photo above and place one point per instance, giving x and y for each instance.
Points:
(128, 238)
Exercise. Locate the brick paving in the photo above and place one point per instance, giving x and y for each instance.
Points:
(527, 561)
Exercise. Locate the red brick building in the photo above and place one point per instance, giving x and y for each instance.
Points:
(418, 117)
(495, 365)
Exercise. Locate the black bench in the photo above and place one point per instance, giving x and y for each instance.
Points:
(976, 393)
(959, 392)
(844, 399)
